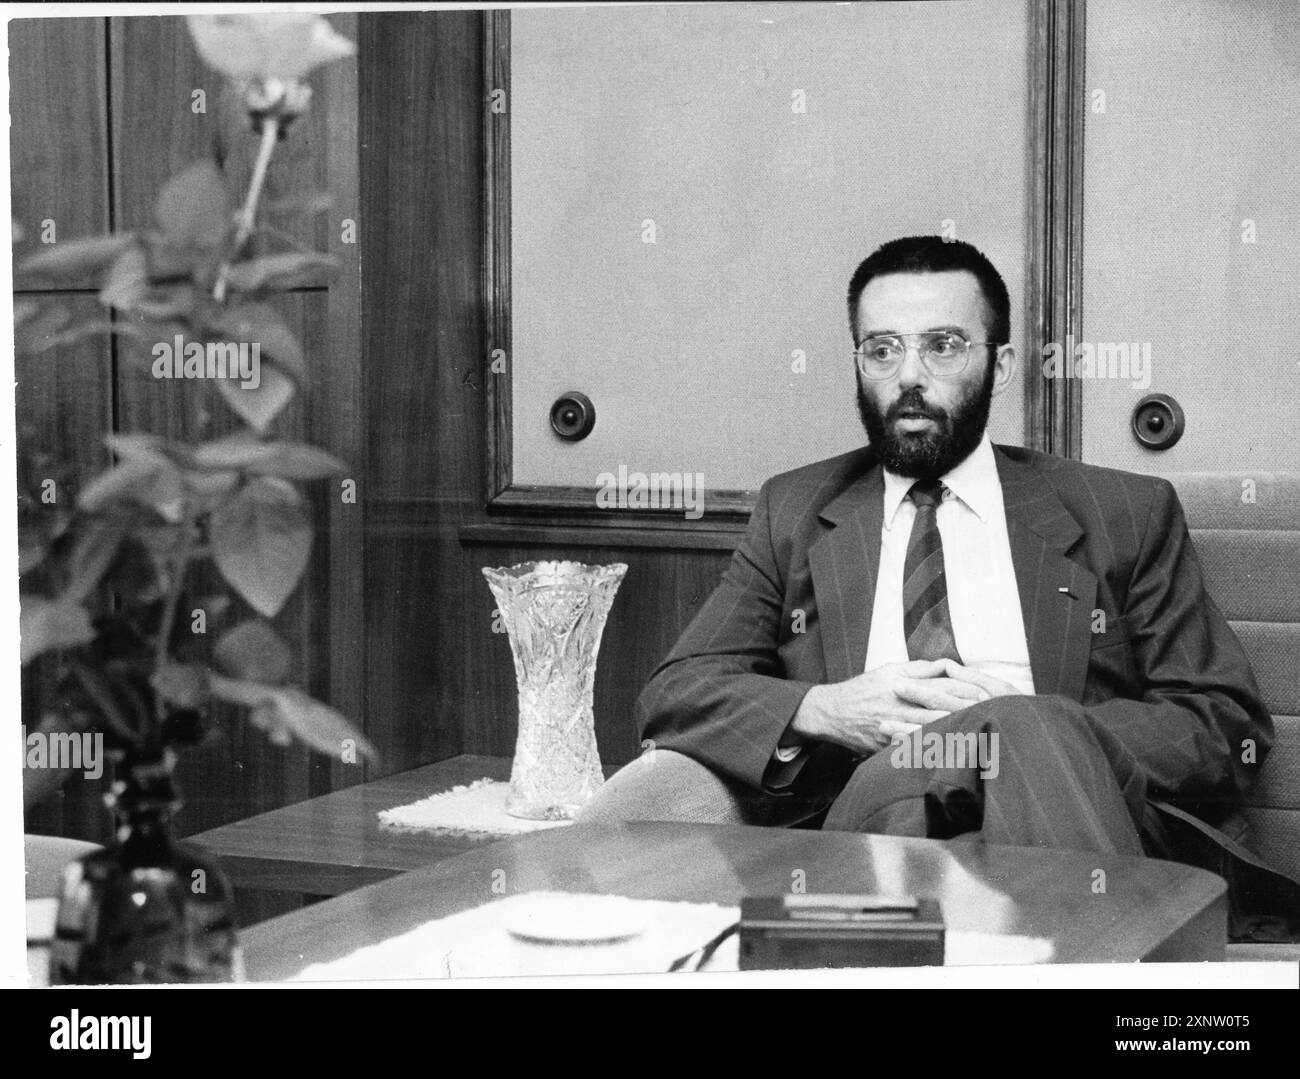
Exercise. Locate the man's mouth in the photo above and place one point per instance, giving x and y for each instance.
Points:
(914, 421)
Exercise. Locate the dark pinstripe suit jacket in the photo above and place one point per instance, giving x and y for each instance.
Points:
(1167, 679)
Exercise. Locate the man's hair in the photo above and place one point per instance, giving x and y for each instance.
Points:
(934, 254)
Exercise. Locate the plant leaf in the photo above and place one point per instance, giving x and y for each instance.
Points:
(136, 444)
(284, 710)
(261, 539)
(147, 478)
(97, 699)
(30, 555)
(208, 489)
(127, 280)
(239, 450)
(262, 324)
(253, 651)
(317, 725)
(194, 207)
(93, 553)
(259, 405)
(288, 460)
(41, 331)
(160, 543)
(298, 461)
(169, 260)
(134, 573)
(299, 205)
(75, 257)
(183, 684)
(163, 302)
(47, 624)
(289, 269)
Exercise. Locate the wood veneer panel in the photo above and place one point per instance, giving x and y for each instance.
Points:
(421, 124)
(58, 136)
(155, 72)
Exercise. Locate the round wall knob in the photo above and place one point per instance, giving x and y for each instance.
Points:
(1158, 421)
(573, 416)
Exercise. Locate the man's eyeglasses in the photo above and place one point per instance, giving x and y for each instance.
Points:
(944, 352)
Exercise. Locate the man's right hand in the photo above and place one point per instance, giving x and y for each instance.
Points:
(867, 712)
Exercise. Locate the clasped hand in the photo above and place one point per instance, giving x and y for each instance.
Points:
(869, 711)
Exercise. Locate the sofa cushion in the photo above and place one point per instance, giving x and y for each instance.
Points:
(1246, 529)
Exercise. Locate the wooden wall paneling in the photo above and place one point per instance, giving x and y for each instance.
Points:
(58, 135)
(338, 412)
(440, 680)
(241, 773)
(59, 174)
(64, 410)
(155, 73)
(422, 200)
(496, 253)
(421, 621)
(65, 406)
(421, 116)
(1054, 282)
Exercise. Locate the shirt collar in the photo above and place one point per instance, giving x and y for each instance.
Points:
(974, 481)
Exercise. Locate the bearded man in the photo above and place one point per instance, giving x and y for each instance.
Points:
(932, 591)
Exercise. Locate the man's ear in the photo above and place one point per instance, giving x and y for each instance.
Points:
(1004, 367)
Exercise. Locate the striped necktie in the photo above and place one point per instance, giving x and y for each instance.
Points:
(927, 622)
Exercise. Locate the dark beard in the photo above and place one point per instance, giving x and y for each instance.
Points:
(927, 455)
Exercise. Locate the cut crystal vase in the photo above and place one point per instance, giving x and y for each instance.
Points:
(554, 613)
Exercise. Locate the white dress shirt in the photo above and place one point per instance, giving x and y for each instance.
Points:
(983, 599)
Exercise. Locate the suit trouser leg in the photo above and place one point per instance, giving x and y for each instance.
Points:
(1049, 782)
(663, 785)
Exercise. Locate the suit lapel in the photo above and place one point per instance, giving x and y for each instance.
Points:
(843, 564)
(1057, 595)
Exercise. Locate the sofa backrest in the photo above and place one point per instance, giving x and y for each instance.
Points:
(1246, 529)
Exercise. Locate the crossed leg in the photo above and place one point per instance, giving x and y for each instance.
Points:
(1054, 785)
(663, 785)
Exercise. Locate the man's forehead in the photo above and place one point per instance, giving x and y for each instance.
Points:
(949, 297)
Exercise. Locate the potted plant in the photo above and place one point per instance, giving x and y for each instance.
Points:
(169, 517)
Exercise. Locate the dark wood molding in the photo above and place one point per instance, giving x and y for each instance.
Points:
(340, 411)
(410, 516)
(512, 535)
(1054, 283)
(719, 507)
(530, 502)
(496, 253)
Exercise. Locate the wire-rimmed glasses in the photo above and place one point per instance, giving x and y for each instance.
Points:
(944, 353)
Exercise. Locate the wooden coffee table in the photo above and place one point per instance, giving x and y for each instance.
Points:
(1150, 910)
(334, 843)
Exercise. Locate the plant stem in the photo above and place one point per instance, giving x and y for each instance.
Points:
(179, 563)
(248, 214)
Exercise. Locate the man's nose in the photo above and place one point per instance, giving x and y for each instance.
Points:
(912, 372)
